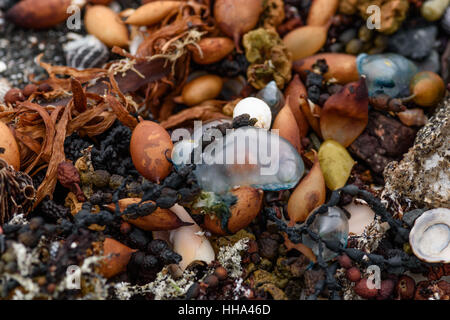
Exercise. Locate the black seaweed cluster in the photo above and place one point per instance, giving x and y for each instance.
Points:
(229, 67)
(112, 153)
(144, 264)
(51, 211)
(152, 256)
(73, 145)
(396, 262)
(243, 121)
(179, 187)
(318, 91)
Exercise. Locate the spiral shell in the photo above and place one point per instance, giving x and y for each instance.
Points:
(85, 52)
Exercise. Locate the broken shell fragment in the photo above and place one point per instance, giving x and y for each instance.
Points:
(336, 164)
(189, 241)
(150, 145)
(305, 41)
(257, 109)
(430, 236)
(413, 117)
(361, 216)
(9, 149)
(105, 24)
(247, 207)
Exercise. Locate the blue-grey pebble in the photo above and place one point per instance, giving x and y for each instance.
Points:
(414, 43)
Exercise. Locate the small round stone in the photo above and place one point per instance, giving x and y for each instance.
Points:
(125, 227)
(344, 261)
(193, 291)
(35, 223)
(221, 273)
(365, 34)
(100, 178)
(354, 46)
(212, 281)
(353, 274)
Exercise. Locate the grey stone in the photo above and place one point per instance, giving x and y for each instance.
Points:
(411, 216)
(415, 43)
(445, 21)
(431, 63)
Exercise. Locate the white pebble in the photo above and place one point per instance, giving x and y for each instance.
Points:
(257, 109)
(3, 66)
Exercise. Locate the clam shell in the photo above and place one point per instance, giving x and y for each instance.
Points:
(430, 236)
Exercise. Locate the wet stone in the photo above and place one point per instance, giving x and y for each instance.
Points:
(411, 216)
(415, 43)
(430, 63)
(384, 140)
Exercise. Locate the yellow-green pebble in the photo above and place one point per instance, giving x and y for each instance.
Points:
(336, 164)
(433, 10)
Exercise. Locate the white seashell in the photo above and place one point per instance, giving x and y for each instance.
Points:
(85, 52)
(361, 216)
(430, 236)
(257, 109)
(189, 241)
(136, 42)
(4, 88)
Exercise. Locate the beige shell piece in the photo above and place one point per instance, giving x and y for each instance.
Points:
(430, 236)
(190, 241)
(361, 217)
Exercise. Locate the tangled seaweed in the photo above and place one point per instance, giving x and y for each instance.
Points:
(396, 264)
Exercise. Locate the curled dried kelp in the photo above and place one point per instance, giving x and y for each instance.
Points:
(17, 193)
(209, 110)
